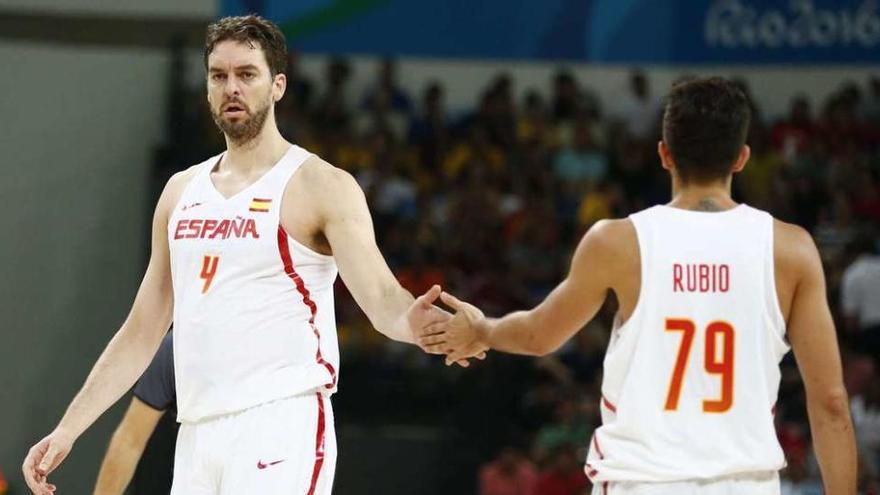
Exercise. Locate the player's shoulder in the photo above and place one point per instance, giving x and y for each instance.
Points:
(790, 233)
(175, 186)
(177, 183)
(180, 179)
(318, 172)
(794, 249)
(792, 238)
(612, 233)
(613, 228)
(609, 245)
(322, 181)
(609, 240)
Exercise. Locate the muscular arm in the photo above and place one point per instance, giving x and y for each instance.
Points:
(814, 342)
(126, 448)
(125, 357)
(345, 222)
(135, 343)
(570, 305)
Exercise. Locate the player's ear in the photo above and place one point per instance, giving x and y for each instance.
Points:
(279, 86)
(741, 160)
(665, 156)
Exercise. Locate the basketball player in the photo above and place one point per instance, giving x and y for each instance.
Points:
(154, 395)
(245, 252)
(711, 294)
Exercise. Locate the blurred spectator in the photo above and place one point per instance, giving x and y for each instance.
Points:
(872, 106)
(640, 110)
(420, 275)
(511, 473)
(569, 429)
(860, 295)
(564, 474)
(499, 112)
(793, 135)
(478, 152)
(865, 409)
(586, 352)
(764, 166)
(796, 480)
(841, 128)
(794, 440)
(836, 229)
(386, 181)
(386, 92)
(534, 121)
(866, 203)
(565, 96)
(300, 89)
(293, 111)
(583, 161)
(386, 106)
(599, 202)
(569, 98)
(332, 114)
(429, 131)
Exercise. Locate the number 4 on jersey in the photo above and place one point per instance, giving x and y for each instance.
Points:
(714, 364)
(209, 269)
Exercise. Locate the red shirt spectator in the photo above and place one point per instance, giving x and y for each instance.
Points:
(509, 474)
(563, 476)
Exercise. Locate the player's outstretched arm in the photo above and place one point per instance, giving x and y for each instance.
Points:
(126, 448)
(125, 358)
(543, 329)
(346, 223)
(814, 342)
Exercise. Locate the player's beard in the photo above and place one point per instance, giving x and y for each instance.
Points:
(245, 129)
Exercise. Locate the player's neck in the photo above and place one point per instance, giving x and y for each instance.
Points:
(258, 154)
(702, 197)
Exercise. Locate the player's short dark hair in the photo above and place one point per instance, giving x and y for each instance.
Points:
(705, 125)
(253, 30)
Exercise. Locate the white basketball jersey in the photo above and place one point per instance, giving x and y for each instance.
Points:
(253, 309)
(691, 379)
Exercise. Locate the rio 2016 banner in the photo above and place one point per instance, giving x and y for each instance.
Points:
(602, 31)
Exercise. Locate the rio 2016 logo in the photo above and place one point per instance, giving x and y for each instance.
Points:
(735, 24)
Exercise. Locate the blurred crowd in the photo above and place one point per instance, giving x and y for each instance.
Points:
(490, 202)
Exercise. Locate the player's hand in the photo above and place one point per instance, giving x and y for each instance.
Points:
(424, 314)
(459, 337)
(43, 458)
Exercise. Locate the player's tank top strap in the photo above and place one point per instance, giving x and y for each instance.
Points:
(281, 173)
(199, 182)
(271, 184)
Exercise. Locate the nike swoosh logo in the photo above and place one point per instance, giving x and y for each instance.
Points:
(262, 465)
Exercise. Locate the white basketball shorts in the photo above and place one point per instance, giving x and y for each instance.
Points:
(281, 447)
